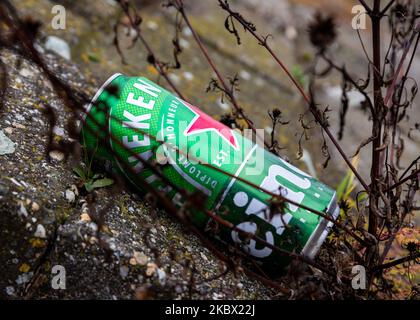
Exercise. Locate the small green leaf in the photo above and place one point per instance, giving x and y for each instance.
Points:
(89, 186)
(94, 58)
(102, 183)
(362, 196)
(342, 187)
(298, 74)
(347, 185)
(80, 172)
(96, 176)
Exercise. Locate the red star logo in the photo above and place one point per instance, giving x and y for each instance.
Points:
(203, 122)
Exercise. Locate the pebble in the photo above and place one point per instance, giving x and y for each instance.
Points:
(123, 272)
(140, 258)
(188, 75)
(70, 196)
(291, 33)
(24, 278)
(151, 269)
(85, 208)
(56, 155)
(59, 131)
(7, 146)
(223, 105)
(178, 289)
(152, 25)
(161, 276)
(10, 291)
(85, 217)
(19, 117)
(186, 32)
(184, 43)
(203, 256)
(40, 232)
(59, 46)
(217, 296)
(93, 226)
(245, 75)
(34, 206)
(18, 125)
(174, 78)
(22, 210)
(24, 72)
(112, 245)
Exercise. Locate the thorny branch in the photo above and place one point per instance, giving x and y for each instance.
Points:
(384, 112)
(312, 106)
(179, 5)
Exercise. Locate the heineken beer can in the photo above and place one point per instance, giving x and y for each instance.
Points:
(132, 118)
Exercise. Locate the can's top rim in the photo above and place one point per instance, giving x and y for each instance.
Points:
(97, 94)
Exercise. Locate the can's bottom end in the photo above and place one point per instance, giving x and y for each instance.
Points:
(320, 234)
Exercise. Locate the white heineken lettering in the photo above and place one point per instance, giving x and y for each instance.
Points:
(136, 142)
(143, 155)
(136, 121)
(146, 87)
(271, 184)
(171, 136)
(139, 102)
(177, 199)
(139, 121)
(259, 208)
(251, 227)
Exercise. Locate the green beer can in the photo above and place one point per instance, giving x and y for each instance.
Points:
(237, 175)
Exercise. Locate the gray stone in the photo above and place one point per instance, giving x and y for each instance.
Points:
(40, 231)
(7, 146)
(59, 46)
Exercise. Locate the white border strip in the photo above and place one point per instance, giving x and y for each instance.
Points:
(178, 169)
(235, 176)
